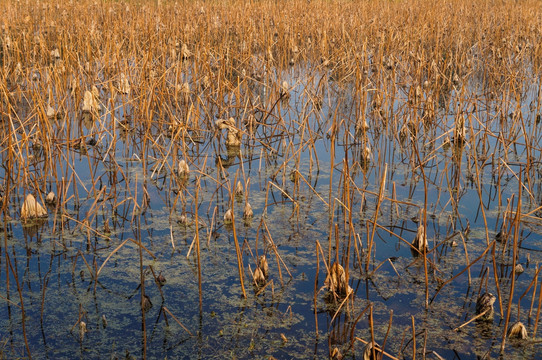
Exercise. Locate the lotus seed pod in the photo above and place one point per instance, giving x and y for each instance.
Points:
(239, 189)
(228, 217)
(247, 212)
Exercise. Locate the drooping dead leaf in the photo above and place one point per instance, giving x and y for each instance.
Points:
(32, 209)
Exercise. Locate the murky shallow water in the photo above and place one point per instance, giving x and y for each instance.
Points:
(56, 261)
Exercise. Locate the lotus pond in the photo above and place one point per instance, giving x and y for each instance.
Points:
(271, 181)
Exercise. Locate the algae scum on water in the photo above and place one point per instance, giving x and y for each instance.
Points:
(270, 180)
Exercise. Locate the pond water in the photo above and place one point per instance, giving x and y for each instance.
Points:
(124, 216)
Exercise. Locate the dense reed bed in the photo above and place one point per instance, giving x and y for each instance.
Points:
(265, 179)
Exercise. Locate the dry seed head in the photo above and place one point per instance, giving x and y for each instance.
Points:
(519, 269)
(517, 331)
(182, 168)
(205, 82)
(18, 70)
(377, 100)
(185, 53)
(388, 63)
(106, 228)
(429, 109)
(259, 278)
(95, 92)
(124, 85)
(336, 354)
(234, 134)
(239, 189)
(247, 212)
(234, 137)
(161, 279)
(228, 217)
(366, 155)
(32, 209)
(484, 304)
(225, 124)
(269, 55)
(336, 281)
(50, 198)
(446, 143)
(73, 84)
(418, 92)
(284, 89)
(55, 54)
(183, 220)
(420, 241)
(368, 352)
(263, 266)
(455, 79)
(147, 304)
(460, 132)
(404, 133)
(362, 126)
(90, 101)
(250, 123)
(51, 113)
(82, 329)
